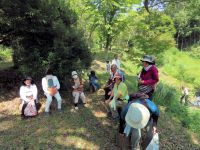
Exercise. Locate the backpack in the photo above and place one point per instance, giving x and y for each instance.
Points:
(52, 90)
(50, 82)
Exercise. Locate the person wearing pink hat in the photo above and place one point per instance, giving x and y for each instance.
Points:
(110, 83)
(119, 96)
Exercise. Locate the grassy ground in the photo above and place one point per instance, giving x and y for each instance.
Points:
(88, 128)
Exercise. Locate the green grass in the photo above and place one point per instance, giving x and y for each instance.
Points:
(5, 58)
(89, 128)
(4, 65)
(183, 67)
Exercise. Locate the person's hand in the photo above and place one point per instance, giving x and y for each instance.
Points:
(107, 101)
(109, 93)
(154, 130)
(30, 98)
(140, 81)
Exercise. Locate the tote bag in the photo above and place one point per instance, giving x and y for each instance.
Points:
(154, 144)
(30, 109)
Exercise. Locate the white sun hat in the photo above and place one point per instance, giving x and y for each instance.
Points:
(137, 116)
(74, 75)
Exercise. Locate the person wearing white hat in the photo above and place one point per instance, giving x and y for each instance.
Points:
(141, 113)
(116, 61)
(148, 78)
(77, 90)
(51, 86)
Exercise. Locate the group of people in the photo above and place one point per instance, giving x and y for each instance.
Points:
(133, 111)
(137, 110)
(50, 85)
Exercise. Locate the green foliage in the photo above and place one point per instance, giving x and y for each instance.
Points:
(195, 51)
(5, 54)
(148, 34)
(104, 19)
(168, 97)
(181, 66)
(44, 35)
(186, 17)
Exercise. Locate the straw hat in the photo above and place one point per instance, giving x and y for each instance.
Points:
(137, 116)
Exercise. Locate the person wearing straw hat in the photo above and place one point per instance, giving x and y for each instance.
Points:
(119, 96)
(28, 94)
(140, 114)
(77, 91)
(148, 78)
(51, 86)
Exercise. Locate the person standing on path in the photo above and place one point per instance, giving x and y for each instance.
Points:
(116, 61)
(185, 95)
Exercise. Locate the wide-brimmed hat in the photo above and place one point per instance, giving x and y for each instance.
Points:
(74, 75)
(137, 116)
(148, 58)
(27, 78)
(118, 76)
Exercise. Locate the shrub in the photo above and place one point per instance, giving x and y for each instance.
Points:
(44, 35)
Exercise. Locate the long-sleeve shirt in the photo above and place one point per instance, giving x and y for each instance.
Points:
(45, 83)
(27, 91)
(78, 86)
(111, 82)
(116, 62)
(150, 77)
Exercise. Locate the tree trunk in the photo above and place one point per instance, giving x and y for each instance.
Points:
(108, 42)
(177, 40)
(181, 43)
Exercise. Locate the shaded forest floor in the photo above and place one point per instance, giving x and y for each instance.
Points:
(87, 128)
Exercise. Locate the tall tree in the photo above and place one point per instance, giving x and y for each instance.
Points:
(43, 34)
(111, 15)
(148, 34)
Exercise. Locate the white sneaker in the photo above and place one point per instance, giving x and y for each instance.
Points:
(76, 108)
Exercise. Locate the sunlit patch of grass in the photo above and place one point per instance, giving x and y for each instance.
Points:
(76, 142)
(182, 66)
(99, 114)
(5, 58)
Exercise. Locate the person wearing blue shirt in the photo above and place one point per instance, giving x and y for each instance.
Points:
(93, 81)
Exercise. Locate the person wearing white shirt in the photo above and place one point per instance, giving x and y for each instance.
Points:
(50, 86)
(28, 93)
(185, 95)
(116, 61)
